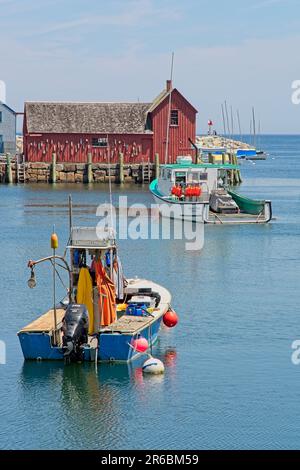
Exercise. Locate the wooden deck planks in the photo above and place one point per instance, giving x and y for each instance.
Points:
(128, 324)
(45, 323)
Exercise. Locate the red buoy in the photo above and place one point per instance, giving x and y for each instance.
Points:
(170, 318)
(140, 344)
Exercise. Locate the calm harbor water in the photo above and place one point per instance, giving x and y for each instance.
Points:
(229, 380)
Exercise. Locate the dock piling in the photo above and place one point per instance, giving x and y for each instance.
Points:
(121, 168)
(157, 165)
(9, 178)
(53, 168)
(89, 168)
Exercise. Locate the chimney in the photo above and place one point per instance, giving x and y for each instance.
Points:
(169, 85)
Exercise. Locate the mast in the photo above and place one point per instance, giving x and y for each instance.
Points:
(227, 118)
(254, 128)
(239, 124)
(223, 117)
(224, 124)
(259, 137)
(169, 112)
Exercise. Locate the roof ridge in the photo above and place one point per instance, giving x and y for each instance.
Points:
(89, 102)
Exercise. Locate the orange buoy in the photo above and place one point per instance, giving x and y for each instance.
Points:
(170, 318)
(54, 241)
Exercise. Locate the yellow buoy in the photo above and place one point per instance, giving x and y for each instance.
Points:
(54, 241)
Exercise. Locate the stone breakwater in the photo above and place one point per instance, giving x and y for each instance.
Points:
(212, 141)
(39, 172)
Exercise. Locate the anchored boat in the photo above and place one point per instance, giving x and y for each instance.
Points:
(104, 317)
(200, 193)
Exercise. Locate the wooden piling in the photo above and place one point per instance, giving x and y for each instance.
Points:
(53, 168)
(157, 166)
(121, 168)
(89, 168)
(9, 178)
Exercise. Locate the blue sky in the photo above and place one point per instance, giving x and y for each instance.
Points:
(245, 51)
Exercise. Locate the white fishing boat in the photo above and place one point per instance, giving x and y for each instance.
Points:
(200, 193)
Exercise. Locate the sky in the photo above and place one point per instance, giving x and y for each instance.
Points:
(246, 52)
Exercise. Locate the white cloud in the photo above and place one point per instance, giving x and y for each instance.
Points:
(137, 12)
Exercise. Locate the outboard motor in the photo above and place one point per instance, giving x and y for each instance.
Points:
(75, 332)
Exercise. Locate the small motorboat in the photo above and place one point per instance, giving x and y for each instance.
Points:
(104, 317)
(251, 154)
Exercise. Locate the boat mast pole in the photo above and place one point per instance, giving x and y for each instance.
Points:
(239, 124)
(254, 129)
(54, 292)
(70, 213)
(224, 125)
(71, 250)
(169, 113)
(227, 119)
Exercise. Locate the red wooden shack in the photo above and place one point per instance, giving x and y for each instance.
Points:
(138, 130)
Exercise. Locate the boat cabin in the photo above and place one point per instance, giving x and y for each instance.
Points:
(204, 176)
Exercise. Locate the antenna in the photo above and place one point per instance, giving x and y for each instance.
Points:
(169, 111)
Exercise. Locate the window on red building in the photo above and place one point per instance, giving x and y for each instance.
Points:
(174, 117)
(99, 141)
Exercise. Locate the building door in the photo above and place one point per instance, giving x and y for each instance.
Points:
(1, 144)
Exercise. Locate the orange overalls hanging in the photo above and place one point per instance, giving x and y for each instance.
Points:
(107, 295)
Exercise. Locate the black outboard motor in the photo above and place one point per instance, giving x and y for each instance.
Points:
(75, 332)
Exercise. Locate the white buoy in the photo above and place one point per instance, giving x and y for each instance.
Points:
(153, 366)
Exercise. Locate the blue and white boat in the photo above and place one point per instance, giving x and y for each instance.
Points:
(251, 154)
(103, 318)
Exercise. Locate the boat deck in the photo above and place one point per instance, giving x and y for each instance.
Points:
(128, 325)
(45, 323)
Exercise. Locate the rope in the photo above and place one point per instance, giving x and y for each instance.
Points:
(59, 276)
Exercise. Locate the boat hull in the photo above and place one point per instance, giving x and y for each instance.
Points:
(192, 211)
(112, 347)
(111, 344)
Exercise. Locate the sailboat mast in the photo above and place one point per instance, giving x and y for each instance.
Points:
(227, 118)
(239, 124)
(169, 112)
(223, 117)
(254, 128)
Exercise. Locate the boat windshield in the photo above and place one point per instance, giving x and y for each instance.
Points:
(180, 177)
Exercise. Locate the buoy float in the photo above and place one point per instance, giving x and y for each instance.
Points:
(170, 318)
(153, 366)
(140, 344)
(54, 241)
